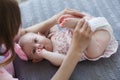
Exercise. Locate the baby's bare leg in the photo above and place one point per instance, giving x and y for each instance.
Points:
(98, 44)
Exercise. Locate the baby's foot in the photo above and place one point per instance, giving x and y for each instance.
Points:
(64, 17)
(68, 21)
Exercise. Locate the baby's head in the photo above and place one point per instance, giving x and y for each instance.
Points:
(31, 42)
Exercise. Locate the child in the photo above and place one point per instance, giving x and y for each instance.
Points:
(38, 47)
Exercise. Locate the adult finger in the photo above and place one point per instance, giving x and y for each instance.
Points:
(88, 28)
(84, 27)
(90, 33)
(79, 24)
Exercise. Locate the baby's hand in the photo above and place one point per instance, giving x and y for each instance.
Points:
(39, 56)
(43, 51)
(38, 51)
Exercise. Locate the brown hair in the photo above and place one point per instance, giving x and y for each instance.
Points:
(10, 20)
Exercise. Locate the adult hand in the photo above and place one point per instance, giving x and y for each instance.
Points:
(80, 41)
(81, 36)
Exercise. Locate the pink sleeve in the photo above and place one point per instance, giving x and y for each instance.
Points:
(4, 75)
(10, 68)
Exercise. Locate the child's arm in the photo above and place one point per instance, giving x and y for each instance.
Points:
(55, 58)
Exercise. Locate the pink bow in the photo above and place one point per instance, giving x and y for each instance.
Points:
(20, 52)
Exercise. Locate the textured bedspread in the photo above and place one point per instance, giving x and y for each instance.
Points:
(34, 11)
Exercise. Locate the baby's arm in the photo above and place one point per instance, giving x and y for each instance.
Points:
(55, 58)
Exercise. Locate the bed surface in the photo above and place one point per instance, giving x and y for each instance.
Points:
(34, 11)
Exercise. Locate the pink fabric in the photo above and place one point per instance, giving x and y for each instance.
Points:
(4, 75)
(7, 72)
(10, 68)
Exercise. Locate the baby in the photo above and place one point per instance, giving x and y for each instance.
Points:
(53, 48)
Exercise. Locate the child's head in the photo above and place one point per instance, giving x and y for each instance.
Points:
(10, 20)
(31, 42)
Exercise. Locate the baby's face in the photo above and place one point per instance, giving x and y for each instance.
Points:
(31, 42)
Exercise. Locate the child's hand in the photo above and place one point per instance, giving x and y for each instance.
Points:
(38, 51)
(44, 51)
(39, 56)
(41, 51)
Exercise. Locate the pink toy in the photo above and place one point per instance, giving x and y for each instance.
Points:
(20, 52)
